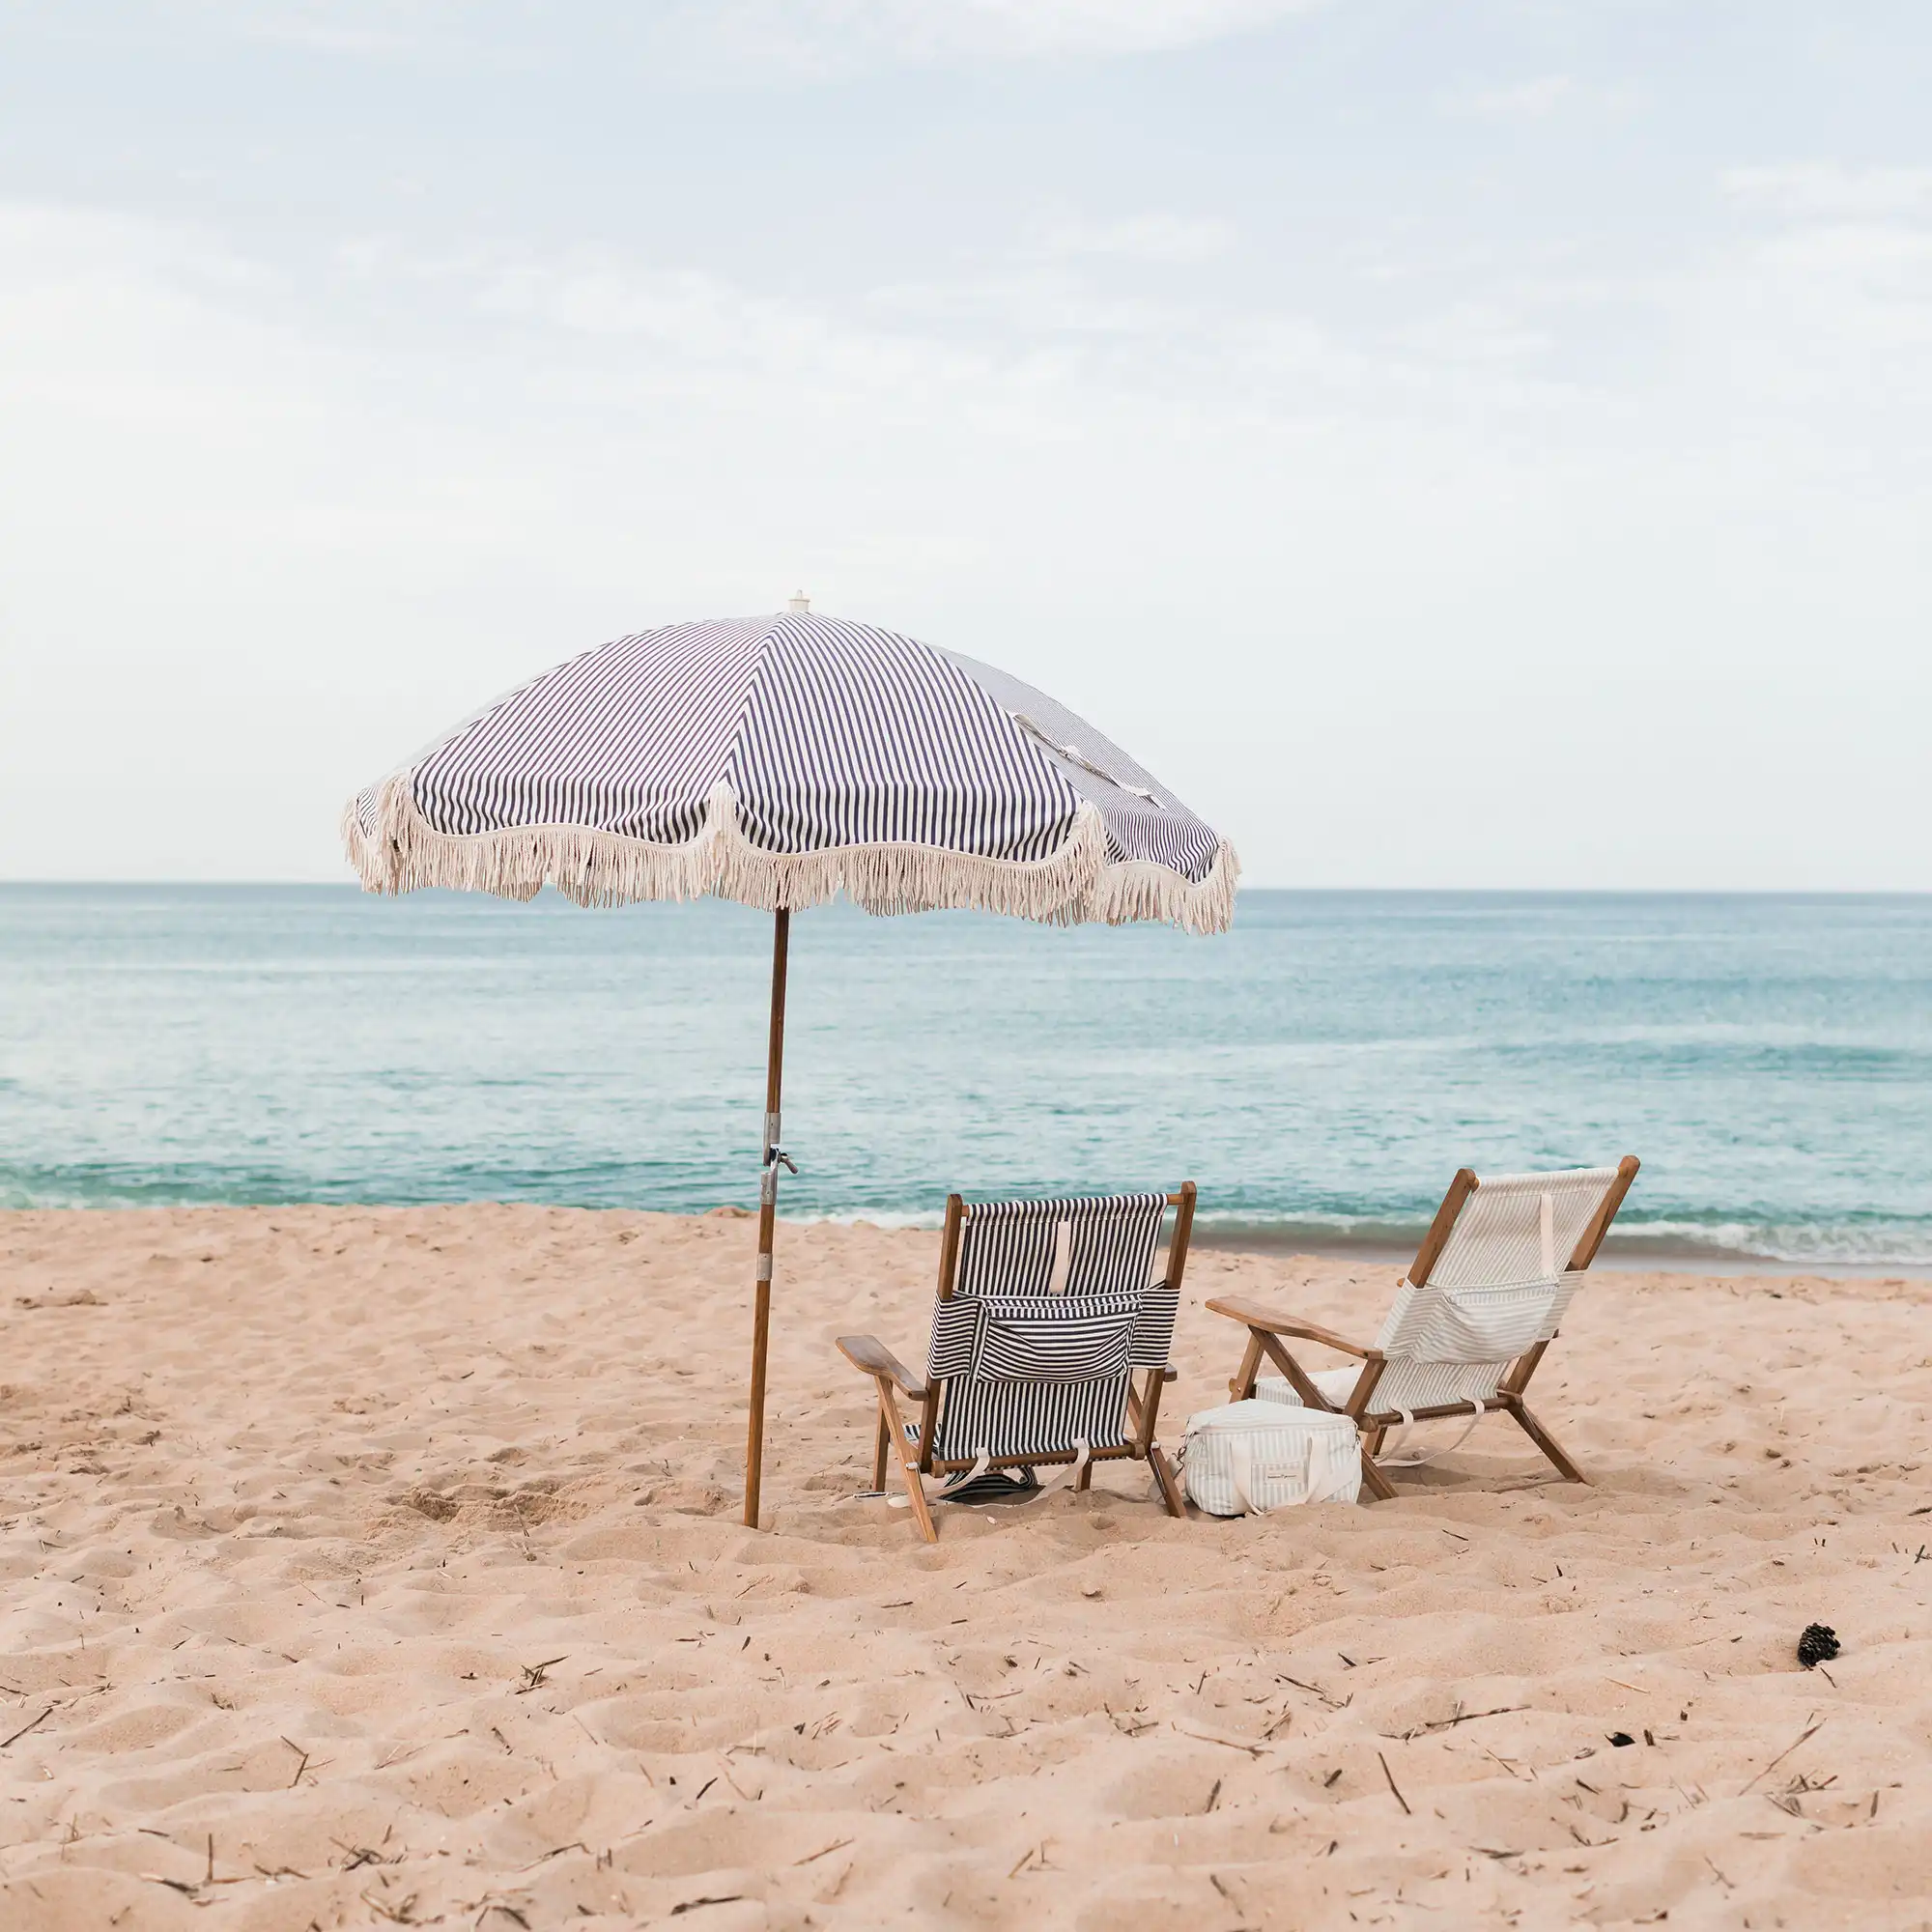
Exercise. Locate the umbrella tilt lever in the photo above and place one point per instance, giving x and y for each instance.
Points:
(775, 1159)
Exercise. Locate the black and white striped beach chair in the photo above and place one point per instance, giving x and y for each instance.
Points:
(1046, 1313)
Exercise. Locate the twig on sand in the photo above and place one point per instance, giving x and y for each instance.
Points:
(26, 1728)
(557, 1852)
(1460, 1718)
(401, 1913)
(1390, 1776)
(533, 1675)
(1230, 1744)
(1333, 1703)
(1787, 1750)
(301, 1753)
(825, 1852)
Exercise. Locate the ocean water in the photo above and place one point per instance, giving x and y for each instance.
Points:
(1321, 1071)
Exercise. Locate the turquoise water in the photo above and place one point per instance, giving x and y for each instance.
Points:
(1321, 1071)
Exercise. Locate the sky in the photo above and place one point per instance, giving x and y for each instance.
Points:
(1461, 445)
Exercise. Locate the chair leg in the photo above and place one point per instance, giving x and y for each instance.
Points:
(1374, 1481)
(1085, 1479)
(1546, 1442)
(1166, 1480)
(1243, 1385)
(928, 1423)
(879, 1447)
(907, 1455)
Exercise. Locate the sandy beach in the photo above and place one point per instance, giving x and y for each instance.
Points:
(383, 1566)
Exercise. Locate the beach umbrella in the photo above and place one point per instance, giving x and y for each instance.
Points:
(780, 761)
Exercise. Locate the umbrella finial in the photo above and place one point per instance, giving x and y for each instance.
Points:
(800, 603)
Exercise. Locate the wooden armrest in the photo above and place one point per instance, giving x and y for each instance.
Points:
(1238, 1308)
(870, 1353)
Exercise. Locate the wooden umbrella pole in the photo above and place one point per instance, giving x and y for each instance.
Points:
(768, 1214)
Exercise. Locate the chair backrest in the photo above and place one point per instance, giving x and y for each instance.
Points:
(1085, 1246)
(1522, 1227)
(1495, 1278)
(1044, 1309)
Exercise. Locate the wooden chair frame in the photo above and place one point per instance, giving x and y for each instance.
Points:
(892, 1378)
(1267, 1328)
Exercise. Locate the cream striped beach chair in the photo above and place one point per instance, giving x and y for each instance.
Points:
(1046, 1313)
(1471, 1318)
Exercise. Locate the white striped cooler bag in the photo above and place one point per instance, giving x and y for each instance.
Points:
(1249, 1457)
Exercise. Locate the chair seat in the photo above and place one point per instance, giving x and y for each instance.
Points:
(1402, 1385)
(1337, 1385)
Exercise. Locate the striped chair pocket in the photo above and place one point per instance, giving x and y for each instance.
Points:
(1059, 1339)
(1474, 1325)
(1153, 1328)
(955, 1337)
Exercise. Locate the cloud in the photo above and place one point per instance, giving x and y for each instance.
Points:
(1846, 261)
(1039, 27)
(368, 29)
(271, 523)
(735, 40)
(1135, 238)
(1524, 101)
(826, 37)
(1831, 190)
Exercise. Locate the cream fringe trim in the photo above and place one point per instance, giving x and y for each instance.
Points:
(1070, 886)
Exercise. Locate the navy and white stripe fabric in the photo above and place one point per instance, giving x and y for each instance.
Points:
(1051, 1312)
(779, 761)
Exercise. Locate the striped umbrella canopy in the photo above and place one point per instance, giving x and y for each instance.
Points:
(780, 761)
